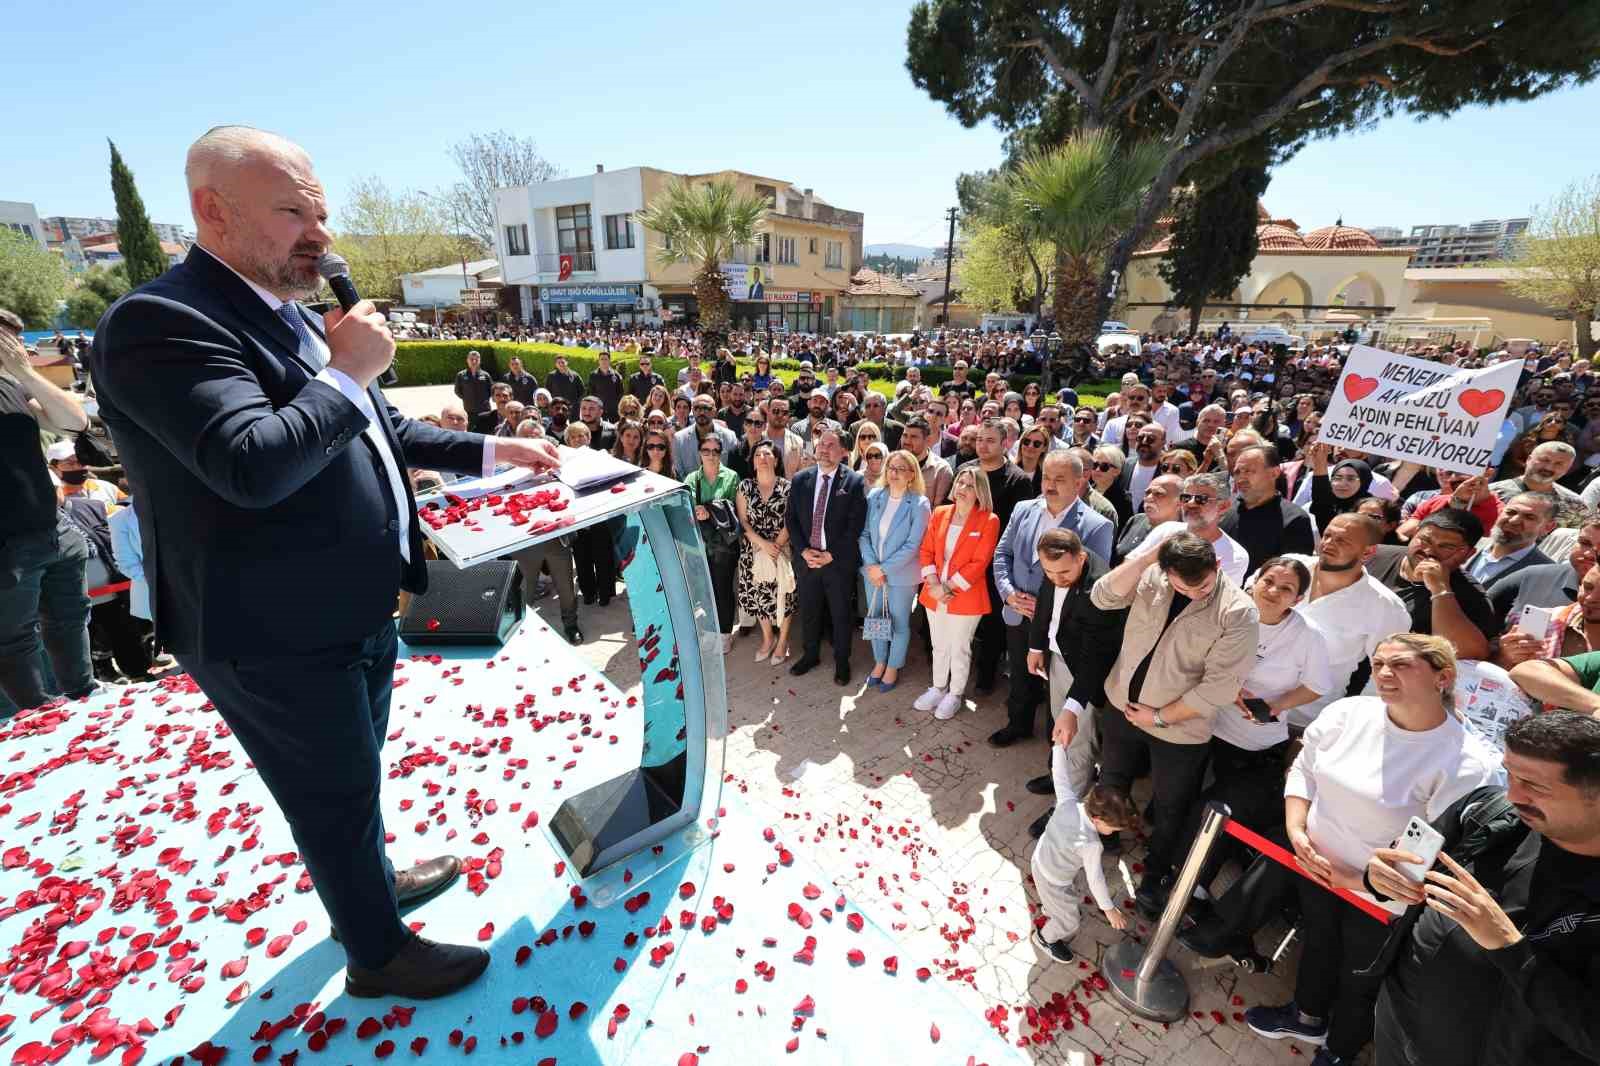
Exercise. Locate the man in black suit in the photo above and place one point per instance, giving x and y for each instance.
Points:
(523, 384)
(279, 527)
(827, 510)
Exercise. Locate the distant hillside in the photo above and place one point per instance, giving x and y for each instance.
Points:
(900, 251)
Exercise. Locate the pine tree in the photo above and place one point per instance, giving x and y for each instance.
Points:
(136, 237)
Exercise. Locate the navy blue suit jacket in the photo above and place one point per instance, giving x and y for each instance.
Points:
(842, 523)
(268, 523)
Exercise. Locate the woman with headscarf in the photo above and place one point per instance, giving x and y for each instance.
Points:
(1336, 491)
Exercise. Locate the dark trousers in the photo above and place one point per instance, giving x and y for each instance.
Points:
(1338, 940)
(724, 579)
(991, 639)
(44, 618)
(826, 590)
(596, 562)
(313, 725)
(1022, 702)
(114, 628)
(1251, 784)
(1176, 774)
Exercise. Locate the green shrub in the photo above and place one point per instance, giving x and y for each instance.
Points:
(438, 362)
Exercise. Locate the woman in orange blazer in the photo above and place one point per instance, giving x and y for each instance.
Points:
(956, 550)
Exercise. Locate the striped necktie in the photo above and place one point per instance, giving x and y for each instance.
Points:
(289, 311)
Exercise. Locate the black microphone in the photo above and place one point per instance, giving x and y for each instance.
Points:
(336, 272)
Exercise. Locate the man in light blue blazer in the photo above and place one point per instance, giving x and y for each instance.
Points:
(1017, 576)
(891, 560)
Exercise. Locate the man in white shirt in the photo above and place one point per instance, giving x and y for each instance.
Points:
(1164, 411)
(1354, 610)
(1148, 444)
(1135, 401)
(1202, 504)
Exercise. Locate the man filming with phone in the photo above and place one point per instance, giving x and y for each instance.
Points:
(1497, 961)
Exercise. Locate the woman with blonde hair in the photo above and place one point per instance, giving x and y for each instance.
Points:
(629, 408)
(1178, 461)
(956, 552)
(1368, 764)
(867, 433)
(872, 461)
(659, 400)
(891, 543)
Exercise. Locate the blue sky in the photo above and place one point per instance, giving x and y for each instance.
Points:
(815, 94)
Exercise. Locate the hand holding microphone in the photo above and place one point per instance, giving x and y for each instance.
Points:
(359, 341)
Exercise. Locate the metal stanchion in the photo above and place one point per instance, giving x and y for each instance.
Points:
(1147, 984)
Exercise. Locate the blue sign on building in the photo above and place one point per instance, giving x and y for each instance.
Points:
(588, 294)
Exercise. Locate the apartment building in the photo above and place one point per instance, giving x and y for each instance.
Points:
(573, 248)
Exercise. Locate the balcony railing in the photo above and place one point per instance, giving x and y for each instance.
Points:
(550, 262)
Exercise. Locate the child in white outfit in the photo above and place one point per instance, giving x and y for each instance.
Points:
(1071, 842)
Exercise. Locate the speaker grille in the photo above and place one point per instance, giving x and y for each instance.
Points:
(478, 605)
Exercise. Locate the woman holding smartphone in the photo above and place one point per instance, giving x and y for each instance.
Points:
(1368, 764)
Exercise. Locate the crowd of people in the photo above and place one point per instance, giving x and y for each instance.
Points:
(1329, 642)
(1196, 591)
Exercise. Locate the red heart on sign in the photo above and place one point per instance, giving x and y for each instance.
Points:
(1479, 402)
(1357, 387)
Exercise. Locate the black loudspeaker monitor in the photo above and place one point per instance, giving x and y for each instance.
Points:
(480, 605)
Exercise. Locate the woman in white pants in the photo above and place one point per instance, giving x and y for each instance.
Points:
(956, 550)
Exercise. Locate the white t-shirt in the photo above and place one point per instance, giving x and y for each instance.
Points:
(1366, 777)
(1288, 655)
(1142, 476)
(1353, 621)
(1235, 561)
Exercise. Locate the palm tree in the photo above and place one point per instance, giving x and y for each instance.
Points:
(1082, 196)
(702, 223)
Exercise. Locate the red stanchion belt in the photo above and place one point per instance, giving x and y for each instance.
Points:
(109, 590)
(1251, 838)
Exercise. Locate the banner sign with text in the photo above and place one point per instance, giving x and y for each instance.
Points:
(1404, 408)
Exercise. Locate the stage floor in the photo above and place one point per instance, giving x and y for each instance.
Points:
(152, 903)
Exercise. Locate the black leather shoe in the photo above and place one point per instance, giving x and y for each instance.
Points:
(1005, 737)
(841, 675)
(1151, 899)
(422, 970)
(1111, 843)
(573, 634)
(425, 880)
(803, 666)
(984, 688)
(1043, 785)
(1037, 826)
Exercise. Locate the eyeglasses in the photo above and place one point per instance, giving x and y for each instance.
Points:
(1195, 497)
(757, 422)
(655, 447)
(1082, 418)
(1103, 467)
(1033, 444)
(710, 451)
(1173, 468)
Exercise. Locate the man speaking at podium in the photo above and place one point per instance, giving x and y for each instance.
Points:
(279, 527)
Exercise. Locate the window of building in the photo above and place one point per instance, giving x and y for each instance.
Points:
(768, 193)
(813, 246)
(835, 260)
(517, 239)
(786, 250)
(619, 231)
(763, 248)
(574, 236)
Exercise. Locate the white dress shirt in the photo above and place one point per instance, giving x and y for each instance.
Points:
(821, 530)
(347, 387)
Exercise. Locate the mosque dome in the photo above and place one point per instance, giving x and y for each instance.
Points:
(1277, 235)
(1341, 238)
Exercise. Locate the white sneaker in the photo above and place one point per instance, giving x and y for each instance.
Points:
(929, 699)
(948, 706)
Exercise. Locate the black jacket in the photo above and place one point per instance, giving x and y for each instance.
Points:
(268, 523)
(1090, 638)
(1446, 1000)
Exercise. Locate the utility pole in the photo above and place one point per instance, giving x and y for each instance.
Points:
(949, 261)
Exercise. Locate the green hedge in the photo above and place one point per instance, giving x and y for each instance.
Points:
(438, 362)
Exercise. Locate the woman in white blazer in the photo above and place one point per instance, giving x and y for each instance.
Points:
(891, 544)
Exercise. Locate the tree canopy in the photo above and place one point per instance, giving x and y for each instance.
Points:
(101, 287)
(491, 161)
(384, 234)
(136, 237)
(32, 278)
(1000, 272)
(1213, 240)
(1218, 79)
(702, 223)
(1559, 264)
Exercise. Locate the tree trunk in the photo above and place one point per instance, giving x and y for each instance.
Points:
(1155, 199)
(1194, 318)
(1077, 314)
(711, 294)
(1585, 328)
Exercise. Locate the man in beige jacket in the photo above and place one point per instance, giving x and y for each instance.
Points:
(1190, 642)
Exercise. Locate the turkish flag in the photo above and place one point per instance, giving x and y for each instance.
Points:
(566, 268)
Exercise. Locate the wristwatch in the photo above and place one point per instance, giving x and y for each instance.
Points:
(1160, 722)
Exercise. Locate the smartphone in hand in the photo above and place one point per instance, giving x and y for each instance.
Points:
(1423, 841)
(1258, 709)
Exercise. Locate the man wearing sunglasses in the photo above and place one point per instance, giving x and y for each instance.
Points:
(1201, 505)
(1084, 423)
(1149, 441)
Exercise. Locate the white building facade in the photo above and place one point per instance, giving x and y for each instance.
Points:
(22, 217)
(574, 240)
(441, 286)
